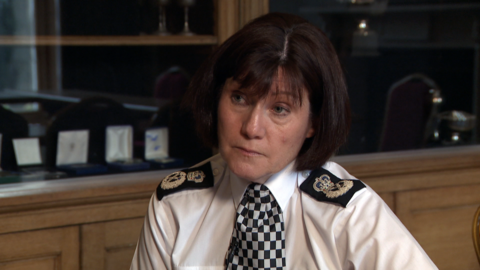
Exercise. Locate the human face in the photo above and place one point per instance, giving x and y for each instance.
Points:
(258, 137)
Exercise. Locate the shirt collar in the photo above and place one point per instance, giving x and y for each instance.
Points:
(281, 185)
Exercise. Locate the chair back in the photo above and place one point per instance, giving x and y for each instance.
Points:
(408, 113)
(476, 233)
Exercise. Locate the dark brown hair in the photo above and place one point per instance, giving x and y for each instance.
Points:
(253, 57)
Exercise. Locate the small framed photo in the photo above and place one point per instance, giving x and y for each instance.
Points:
(72, 147)
(27, 151)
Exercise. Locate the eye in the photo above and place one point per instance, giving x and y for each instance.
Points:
(280, 110)
(236, 98)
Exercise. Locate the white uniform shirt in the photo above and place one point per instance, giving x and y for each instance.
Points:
(192, 228)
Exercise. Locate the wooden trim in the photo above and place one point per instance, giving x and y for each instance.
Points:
(384, 172)
(81, 190)
(251, 9)
(109, 245)
(57, 248)
(73, 215)
(108, 40)
(418, 169)
(227, 19)
(413, 161)
(440, 220)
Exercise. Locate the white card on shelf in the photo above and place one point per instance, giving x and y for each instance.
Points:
(72, 147)
(156, 143)
(27, 151)
(119, 143)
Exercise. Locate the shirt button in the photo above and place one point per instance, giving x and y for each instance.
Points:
(305, 174)
(215, 172)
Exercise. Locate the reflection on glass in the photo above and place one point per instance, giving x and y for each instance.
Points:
(186, 29)
(162, 21)
(459, 125)
(365, 41)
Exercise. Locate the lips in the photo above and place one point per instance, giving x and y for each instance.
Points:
(248, 152)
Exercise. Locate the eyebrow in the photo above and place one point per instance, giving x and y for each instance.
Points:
(292, 94)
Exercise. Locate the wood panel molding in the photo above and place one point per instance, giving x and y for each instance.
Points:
(108, 40)
(109, 245)
(440, 219)
(73, 215)
(46, 249)
(404, 162)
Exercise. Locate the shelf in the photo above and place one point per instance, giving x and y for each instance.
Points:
(354, 9)
(427, 45)
(144, 40)
(74, 96)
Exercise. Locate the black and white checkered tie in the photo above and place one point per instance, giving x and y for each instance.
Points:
(258, 239)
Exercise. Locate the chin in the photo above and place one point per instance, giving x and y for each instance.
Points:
(244, 167)
(248, 172)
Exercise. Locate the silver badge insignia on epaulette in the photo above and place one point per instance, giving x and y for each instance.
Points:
(173, 180)
(330, 189)
(196, 176)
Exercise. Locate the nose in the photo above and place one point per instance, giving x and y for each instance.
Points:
(253, 126)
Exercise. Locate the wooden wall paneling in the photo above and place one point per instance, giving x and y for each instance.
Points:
(231, 15)
(440, 219)
(72, 215)
(389, 198)
(93, 246)
(121, 240)
(226, 19)
(51, 249)
(47, 263)
(110, 245)
(387, 164)
(436, 178)
(251, 9)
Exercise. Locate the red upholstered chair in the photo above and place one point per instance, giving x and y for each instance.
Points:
(183, 140)
(408, 113)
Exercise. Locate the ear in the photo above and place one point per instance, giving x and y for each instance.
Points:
(310, 132)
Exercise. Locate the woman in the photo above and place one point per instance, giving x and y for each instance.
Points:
(273, 100)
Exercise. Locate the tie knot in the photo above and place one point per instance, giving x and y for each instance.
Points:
(259, 193)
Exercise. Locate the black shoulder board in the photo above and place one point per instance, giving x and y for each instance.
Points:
(324, 186)
(199, 177)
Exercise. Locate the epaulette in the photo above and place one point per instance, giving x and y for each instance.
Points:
(198, 177)
(325, 186)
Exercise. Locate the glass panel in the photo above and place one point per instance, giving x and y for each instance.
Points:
(411, 68)
(18, 64)
(62, 62)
